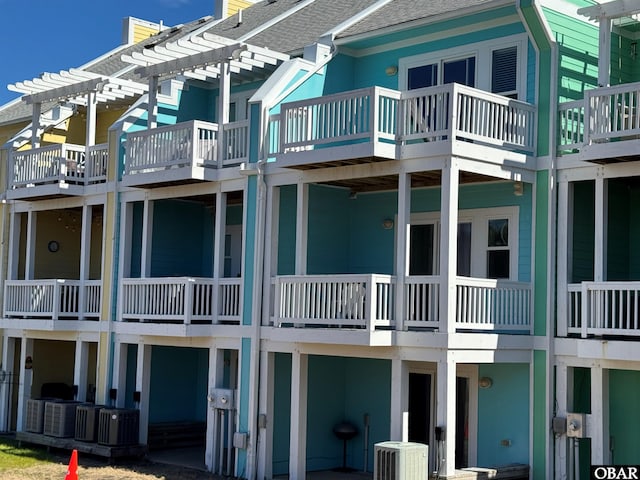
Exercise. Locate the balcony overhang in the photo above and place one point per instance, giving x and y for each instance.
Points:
(43, 192)
(199, 57)
(180, 330)
(48, 325)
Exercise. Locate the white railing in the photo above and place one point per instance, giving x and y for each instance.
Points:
(180, 299)
(53, 299)
(604, 308)
(492, 304)
(378, 115)
(350, 301)
(60, 163)
(422, 301)
(185, 144)
(571, 125)
(369, 114)
(236, 141)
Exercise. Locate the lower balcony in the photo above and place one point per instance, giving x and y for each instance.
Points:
(368, 302)
(56, 170)
(180, 301)
(604, 309)
(48, 304)
(184, 153)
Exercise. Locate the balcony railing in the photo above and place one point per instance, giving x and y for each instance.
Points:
(183, 300)
(344, 301)
(604, 308)
(62, 163)
(606, 114)
(382, 117)
(53, 299)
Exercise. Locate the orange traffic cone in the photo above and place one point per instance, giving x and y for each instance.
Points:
(72, 471)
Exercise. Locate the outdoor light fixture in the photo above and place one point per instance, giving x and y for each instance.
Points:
(391, 70)
(518, 189)
(485, 382)
(387, 224)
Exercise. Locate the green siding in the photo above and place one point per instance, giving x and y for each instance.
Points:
(624, 398)
(583, 231)
(540, 423)
(541, 301)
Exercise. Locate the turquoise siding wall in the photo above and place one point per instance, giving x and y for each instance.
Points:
(624, 398)
(362, 245)
(503, 414)
(178, 390)
(340, 389)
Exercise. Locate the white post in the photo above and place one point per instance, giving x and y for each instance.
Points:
(90, 138)
(216, 364)
(29, 263)
(399, 400)
(403, 229)
(35, 125)
(446, 412)
(147, 235)
(298, 434)
(270, 252)
(598, 427)
(219, 235)
(80, 369)
(8, 352)
(604, 51)
(26, 378)
(448, 246)
(302, 221)
(152, 105)
(85, 258)
(223, 108)
(119, 380)
(143, 381)
(564, 385)
(266, 412)
(600, 242)
(562, 252)
(14, 245)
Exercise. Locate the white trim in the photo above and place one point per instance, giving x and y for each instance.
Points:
(482, 51)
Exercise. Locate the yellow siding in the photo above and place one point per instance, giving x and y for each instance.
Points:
(8, 131)
(104, 121)
(236, 5)
(142, 32)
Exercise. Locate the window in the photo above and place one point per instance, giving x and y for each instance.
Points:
(461, 71)
(504, 72)
(498, 248)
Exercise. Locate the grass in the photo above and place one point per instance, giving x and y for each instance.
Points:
(13, 456)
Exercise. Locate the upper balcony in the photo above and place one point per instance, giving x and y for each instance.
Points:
(604, 127)
(56, 170)
(365, 304)
(376, 124)
(184, 153)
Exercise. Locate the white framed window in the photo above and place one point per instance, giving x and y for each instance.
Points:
(487, 244)
(497, 66)
(239, 105)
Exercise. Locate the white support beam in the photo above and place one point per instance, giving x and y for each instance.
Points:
(8, 354)
(604, 52)
(216, 375)
(403, 232)
(30, 252)
(224, 94)
(448, 246)
(271, 246)
(220, 230)
(564, 384)
(119, 379)
(147, 239)
(398, 428)
(298, 432)
(563, 261)
(85, 254)
(15, 227)
(152, 103)
(143, 382)
(35, 124)
(600, 244)
(71, 90)
(165, 65)
(25, 381)
(598, 426)
(90, 138)
(265, 414)
(80, 370)
(302, 230)
(446, 413)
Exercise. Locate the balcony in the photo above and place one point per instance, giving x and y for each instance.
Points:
(604, 127)
(343, 302)
(182, 301)
(47, 304)
(376, 124)
(184, 153)
(604, 308)
(56, 170)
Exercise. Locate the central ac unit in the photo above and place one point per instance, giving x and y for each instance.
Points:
(60, 418)
(118, 426)
(400, 461)
(87, 422)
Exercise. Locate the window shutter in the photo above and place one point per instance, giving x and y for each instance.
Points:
(504, 71)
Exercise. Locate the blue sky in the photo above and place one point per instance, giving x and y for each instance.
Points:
(48, 36)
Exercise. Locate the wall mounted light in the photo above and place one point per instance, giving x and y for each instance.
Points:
(387, 223)
(391, 70)
(518, 189)
(485, 382)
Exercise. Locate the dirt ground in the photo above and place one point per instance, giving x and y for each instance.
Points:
(91, 468)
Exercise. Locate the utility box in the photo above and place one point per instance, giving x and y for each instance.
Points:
(400, 461)
(222, 398)
(576, 425)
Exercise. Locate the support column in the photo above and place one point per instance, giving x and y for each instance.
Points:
(85, 258)
(598, 426)
(80, 370)
(265, 415)
(152, 105)
(147, 235)
(448, 246)
(35, 125)
(399, 428)
(29, 263)
(600, 239)
(604, 51)
(446, 414)
(298, 433)
(90, 136)
(15, 226)
(403, 229)
(223, 108)
(216, 374)
(564, 402)
(302, 222)
(8, 352)
(25, 381)
(119, 380)
(564, 218)
(271, 253)
(143, 381)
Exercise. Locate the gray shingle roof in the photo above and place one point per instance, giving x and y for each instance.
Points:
(398, 12)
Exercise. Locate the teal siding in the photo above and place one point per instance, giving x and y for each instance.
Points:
(178, 390)
(503, 414)
(287, 231)
(624, 398)
(282, 413)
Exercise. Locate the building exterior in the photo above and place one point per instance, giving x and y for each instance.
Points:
(413, 217)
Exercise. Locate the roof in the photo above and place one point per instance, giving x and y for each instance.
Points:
(399, 12)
